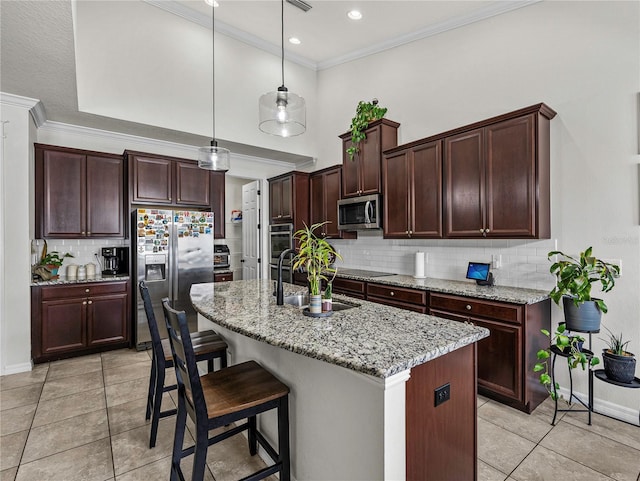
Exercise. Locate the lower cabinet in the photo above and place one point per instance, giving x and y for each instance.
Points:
(72, 320)
(227, 276)
(350, 287)
(402, 297)
(505, 358)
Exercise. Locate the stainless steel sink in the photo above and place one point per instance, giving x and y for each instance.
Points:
(297, 300)
(302, 300)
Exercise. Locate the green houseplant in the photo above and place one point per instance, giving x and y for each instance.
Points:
(366, 112)
(571, 347)
(619, 364)
(315, 255)
(574, 279)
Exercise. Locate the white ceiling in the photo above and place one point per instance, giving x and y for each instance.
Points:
(37, 56)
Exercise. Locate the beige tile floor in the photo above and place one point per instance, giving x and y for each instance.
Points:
(83, 419)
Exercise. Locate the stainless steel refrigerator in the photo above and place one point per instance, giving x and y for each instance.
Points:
(174, 250)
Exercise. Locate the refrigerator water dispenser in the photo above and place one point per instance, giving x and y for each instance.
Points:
(155, 267)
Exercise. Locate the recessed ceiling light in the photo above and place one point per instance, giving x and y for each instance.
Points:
(354, 15)
(294, 40)
(212, 3)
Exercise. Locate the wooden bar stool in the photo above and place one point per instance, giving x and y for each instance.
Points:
(207, 346)
(220, 398)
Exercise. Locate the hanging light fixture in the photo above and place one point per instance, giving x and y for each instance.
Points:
(282, 113)
(212, 157)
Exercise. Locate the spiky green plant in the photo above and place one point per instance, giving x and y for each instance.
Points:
(315, 255)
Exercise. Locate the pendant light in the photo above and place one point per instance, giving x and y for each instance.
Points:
(212, 157)
(282, 113)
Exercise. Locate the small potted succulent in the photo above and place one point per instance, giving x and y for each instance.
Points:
(619, 364)
(571, 347)
(316, 256)
(574, 278)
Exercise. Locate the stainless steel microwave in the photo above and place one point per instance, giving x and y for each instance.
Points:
(363, 212)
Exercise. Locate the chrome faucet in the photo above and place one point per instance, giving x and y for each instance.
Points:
(279, 289)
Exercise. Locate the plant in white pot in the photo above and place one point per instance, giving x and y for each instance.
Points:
(316, 256)
(574, 279)
(619, 364)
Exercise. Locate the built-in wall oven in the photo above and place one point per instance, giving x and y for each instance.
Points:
(280, 239)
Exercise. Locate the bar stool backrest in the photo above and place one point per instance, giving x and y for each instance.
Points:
(156, 341)
(184, 361)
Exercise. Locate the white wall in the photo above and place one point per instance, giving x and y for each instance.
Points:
(583, 60)
(15, 205)
(113, 79)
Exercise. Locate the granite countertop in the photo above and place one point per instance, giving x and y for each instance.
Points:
(63, 280)
(371, 338)
(514, 295)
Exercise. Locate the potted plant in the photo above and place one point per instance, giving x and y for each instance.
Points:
(366, 112)
(619, 365)
(574, 278)
(316, 256)
(571, 347)
(52, 260)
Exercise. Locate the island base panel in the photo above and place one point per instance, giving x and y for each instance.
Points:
(441, 440)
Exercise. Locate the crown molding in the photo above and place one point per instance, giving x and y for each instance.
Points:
(205, 21)
(481, 14)
(34, 106)
(136, 142)
(497, 8)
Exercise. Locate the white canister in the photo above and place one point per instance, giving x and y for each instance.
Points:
(72, 271)
(82, 273)
(91, 270)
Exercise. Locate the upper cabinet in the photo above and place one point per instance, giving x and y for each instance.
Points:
(78, 193)
(412, 181)
(325, 187)
(361, 175)
(496, 177)
(172, 182)
(289, 199)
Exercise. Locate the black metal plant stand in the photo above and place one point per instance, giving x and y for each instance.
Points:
(589, 406)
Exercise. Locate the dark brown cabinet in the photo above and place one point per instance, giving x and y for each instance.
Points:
(72, 320)
(361, 175)
(505, 358)
(325, 186)
(412, 187)
(78, 194)
(289, 199)
(219, 277)
(172, 182)
(402, 297)
(496, 177)
(350, 287)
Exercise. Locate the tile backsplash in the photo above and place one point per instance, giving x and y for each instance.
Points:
(83, 250)
(523, 262)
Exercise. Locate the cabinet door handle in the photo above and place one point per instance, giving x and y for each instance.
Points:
(392, 293)
(486, 231)
(86, 290)
(481, 231)
(84, 303)
(90, 302)
(83, 233)
(468, 307)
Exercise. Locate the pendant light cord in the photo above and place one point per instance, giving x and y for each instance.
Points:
(282, 42)
(213, 76)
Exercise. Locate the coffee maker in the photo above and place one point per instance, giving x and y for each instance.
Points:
(116, 260)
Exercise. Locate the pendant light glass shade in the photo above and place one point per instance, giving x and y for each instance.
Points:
(282, 113)
(213, 157)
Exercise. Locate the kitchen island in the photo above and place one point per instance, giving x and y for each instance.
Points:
(363, 382)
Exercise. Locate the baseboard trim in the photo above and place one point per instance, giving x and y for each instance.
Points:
(16, 368)
(607, 408)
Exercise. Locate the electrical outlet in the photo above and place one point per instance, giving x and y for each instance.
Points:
(496, 261)
(442, 394)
